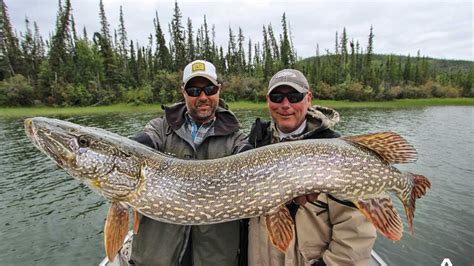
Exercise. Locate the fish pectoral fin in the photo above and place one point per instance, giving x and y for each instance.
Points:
(390, 146)
(115, 229)
(136, 222)
(383, 215)
(280, 228)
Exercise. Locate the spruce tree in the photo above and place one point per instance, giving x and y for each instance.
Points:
(370, 49)
(285, 45)
(10, 53)
(190, 51)
(344, 51)
(407, 76)
(58, 53)
(267, 57)
(206, 49)
(123, 40)
(112, 77)
(249, 58)
(178, 40)
(231, 53)
(240, 52)
(273, 43)
(29, 52)
(163, 59)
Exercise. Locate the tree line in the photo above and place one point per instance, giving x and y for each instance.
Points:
(77, 69)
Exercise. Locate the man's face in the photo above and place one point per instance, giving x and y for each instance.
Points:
(288, 116)
(201, 108)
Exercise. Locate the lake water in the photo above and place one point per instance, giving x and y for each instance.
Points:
(48, 218)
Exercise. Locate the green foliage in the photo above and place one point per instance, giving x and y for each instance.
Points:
(166, 86)
(76, 95)
(237, 87)
(325, 91)
(393, 93)
(89, 63)
(413, 92)
(80, 71)
(140, 95)
(436, 90)
(16, 91)
(356, 91)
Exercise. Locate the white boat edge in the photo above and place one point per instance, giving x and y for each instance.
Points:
(121, 259)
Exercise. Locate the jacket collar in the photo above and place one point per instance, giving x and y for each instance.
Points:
(318, 118)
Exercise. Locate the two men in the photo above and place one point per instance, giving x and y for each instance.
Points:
(198, 128)
(328, 231)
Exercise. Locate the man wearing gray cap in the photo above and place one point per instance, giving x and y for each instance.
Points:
(198, 128)
(327, 231)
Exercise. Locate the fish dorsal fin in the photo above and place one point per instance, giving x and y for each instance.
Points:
(280, 228)
(390, 146)
(115, 229)
(382, 214)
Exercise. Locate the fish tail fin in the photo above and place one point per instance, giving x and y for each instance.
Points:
(420, 184)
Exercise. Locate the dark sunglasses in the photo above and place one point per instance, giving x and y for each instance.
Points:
(208, 90)
(293, 97)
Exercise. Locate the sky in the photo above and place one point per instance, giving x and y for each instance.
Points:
(438, 29)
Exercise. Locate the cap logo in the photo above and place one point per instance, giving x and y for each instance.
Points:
(198, 66)
(285, 74)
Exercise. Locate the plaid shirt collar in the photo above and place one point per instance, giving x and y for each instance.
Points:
(198, 131)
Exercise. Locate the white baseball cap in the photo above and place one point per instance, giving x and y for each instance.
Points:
(200, 68)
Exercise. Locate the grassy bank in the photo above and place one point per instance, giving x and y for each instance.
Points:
(152, 108)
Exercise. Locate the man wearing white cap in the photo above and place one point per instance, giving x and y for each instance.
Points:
(198, 128)
(327, 231)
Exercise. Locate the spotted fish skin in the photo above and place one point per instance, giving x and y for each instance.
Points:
(253, 183)
(240, 186)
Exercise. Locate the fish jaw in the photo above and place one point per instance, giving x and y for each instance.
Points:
(84, 154)
(56, 144)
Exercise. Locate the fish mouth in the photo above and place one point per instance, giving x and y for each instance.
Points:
(53, 143)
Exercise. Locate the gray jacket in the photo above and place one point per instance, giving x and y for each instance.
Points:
(159, 243)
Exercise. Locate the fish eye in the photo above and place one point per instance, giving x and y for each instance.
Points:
(83, 141)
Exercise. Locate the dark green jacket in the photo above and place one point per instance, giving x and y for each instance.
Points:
(159, 243)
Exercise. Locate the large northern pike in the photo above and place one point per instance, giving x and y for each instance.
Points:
(253, 183)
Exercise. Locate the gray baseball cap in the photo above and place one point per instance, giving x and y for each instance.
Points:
(289, 77)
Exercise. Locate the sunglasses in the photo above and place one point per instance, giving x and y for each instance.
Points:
(293, 97)
(195, 91)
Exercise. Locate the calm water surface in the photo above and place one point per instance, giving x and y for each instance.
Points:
(47, 218)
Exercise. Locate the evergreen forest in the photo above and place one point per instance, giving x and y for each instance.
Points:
(73, 67)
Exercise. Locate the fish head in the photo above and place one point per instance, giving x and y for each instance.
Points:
(102, 160)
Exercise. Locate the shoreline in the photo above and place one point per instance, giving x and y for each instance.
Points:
(240, 105)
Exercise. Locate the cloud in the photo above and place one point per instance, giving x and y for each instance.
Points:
(437, 29)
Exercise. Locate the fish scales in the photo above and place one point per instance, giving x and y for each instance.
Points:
(177, 187)
(195, 192)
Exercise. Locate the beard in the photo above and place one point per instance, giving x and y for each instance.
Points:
(199, 114)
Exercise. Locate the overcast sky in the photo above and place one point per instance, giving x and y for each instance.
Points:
(438, 29)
